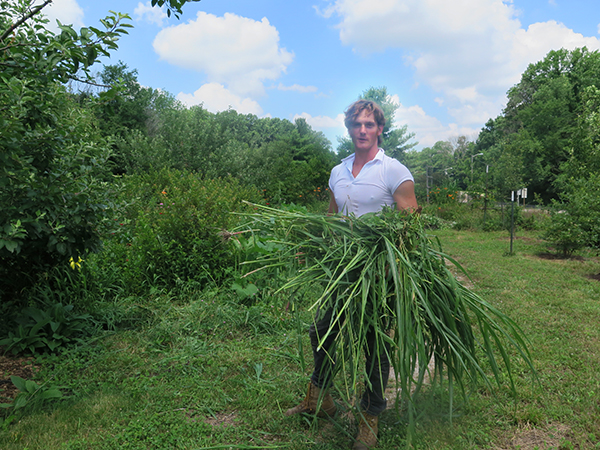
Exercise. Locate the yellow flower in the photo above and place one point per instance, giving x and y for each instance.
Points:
(75, 265)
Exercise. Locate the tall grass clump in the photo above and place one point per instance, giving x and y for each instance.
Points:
(382, 272)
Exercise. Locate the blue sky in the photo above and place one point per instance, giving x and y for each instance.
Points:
(446, 63)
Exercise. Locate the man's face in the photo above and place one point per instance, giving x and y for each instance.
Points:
(364, 132)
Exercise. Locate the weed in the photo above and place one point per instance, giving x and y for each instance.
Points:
(46, 330)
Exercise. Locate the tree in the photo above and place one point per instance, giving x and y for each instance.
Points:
(546, 103)
(575, 219)
(52, 162)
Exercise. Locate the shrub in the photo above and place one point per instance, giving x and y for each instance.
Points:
(575, 220)
(171, 229)
(52, 162)
(46, 330)
(564, 233)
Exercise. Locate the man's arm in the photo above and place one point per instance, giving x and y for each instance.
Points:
(404, 197)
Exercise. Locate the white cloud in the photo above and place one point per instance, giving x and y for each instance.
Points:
(323, 122)
(67, 11)
(297, 88)
(214, 97)
(149, 13)
(470, 52)
(236, 51)
(428, 129)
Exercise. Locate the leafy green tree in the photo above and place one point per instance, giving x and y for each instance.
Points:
(575, 219)
(52, 162)
(131, 108)
(546, 103)
(584, 152)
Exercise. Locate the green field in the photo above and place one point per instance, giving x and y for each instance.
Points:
(206, 370)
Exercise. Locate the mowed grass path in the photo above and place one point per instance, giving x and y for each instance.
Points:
(200, 370)
(557, 304)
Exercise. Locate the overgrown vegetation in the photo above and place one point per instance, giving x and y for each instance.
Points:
(215, 369)
(121, 274)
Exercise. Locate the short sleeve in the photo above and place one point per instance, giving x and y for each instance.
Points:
(395, 174)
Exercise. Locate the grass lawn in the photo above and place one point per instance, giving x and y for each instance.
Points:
(200, 370)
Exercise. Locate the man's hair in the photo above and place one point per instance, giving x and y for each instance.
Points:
(369, 107)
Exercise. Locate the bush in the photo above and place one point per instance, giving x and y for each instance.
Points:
(564, 233)
(575, 220)
(52, 161)
(46, 330)
(171, 230)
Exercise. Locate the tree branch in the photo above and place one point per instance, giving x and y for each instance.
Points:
(23, 19)
(91, 83)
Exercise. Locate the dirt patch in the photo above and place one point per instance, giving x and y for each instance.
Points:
(529, 438)
(558, 257)
(393, 391)
(9, 366)
(594, 277)
(222, 419)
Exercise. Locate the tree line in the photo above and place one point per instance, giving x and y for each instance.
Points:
(66, 148)
(546, 136)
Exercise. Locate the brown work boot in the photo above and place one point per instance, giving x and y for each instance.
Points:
(315, 400)
(367, 432)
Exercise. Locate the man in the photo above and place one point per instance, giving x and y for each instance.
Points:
(363, 182)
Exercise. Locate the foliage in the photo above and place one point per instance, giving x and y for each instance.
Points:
(288, 162)
(563, 232)
(446, 164)
(542, 111)
(30, 394)
(171, 230)
(184, 375)
(433, 222)
(39, 331)
(443, 195)
(576, 214)
(584, 155)
(52, 163)
(575, 221)
(382, 274)
(173, 6)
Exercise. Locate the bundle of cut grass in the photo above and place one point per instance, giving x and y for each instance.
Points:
(382, 272)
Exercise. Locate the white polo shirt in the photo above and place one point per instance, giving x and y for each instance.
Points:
(372, 188)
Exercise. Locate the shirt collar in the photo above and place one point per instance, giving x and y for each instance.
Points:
(349, 160)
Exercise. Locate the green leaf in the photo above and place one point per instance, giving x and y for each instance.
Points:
(52, 393)
(20, 401)
(19, 383)
(31, 386)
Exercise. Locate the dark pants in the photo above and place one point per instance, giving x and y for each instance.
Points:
(373, 401)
